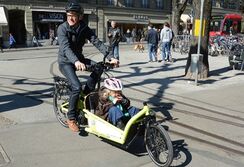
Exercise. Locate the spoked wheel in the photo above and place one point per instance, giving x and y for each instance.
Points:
(61, 98)
(158, 145)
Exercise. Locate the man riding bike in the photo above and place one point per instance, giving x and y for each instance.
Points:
(72, 36)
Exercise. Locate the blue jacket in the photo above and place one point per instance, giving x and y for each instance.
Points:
(11, 40)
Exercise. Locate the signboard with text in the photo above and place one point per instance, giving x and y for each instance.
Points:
(48, 17)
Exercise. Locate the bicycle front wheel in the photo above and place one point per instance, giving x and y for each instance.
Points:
(158, 145)
(60, 104)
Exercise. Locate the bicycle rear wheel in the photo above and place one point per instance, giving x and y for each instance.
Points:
(158, 145)
(61, 98)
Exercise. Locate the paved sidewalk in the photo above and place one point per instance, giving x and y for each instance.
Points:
(39, 144)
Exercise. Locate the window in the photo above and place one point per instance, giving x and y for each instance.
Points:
(232, 5)
(159, 4)
(128, 3)
(223, 4)
(144, 4)
(110, 2)
(214, 3)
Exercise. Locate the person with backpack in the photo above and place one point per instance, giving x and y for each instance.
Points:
(166, 39)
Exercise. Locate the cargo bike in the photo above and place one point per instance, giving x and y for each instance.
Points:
(156, 139)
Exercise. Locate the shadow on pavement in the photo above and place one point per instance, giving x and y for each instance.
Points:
(182, 156)
(16, 100)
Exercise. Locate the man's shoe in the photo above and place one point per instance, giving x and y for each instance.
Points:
(73, 125)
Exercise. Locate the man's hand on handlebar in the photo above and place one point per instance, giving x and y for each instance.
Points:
(80, 66)
(115, 62)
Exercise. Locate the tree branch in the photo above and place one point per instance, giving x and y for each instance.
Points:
(183, 7)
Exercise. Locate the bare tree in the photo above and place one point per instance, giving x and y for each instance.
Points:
(204, 65)
(178, 7)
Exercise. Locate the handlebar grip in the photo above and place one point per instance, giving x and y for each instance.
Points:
(100, 66)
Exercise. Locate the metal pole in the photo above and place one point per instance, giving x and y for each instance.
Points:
(200, 33)
(199, 40)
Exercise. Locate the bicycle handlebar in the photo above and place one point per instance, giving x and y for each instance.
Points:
(100, 66)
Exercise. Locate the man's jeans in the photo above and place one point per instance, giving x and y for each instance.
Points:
(69, 71)
(115, 51)
(152, 52)
(165, 50)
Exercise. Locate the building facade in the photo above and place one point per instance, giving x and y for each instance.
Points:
(219, 7)
(40, 18)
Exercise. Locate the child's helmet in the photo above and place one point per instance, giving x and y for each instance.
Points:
(113, 84)
(74, 7)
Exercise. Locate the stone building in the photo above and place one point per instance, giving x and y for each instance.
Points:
(40, 18)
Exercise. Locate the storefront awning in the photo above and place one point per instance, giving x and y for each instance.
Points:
(3, 18)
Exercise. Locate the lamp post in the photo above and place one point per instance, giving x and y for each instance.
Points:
(200, 33)
(198, 55)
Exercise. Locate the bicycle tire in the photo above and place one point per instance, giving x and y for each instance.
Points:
(61, 96)
(158, 145)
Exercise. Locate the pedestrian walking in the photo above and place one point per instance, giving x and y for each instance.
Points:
(128, 36)
(114, 36)
(166, 36)
(139, 35)
(133, 34)
(35, 42)
(12, 42)
(52, 37)
(170, 58)
(1, 43)
(152, 40)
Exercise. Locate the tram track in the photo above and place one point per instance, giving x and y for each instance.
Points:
(185, 103)
(202, 132)
(194, 138)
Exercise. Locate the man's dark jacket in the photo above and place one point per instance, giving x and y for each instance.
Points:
(71, 41)
(152, 37)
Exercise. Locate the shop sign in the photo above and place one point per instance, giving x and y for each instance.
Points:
(140, 17)
(48, 16)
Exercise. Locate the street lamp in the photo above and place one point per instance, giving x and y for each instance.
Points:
(196, 57)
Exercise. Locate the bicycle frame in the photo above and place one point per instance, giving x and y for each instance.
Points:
(104, 129)
(143, 124)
